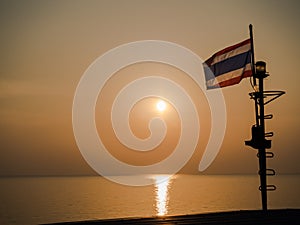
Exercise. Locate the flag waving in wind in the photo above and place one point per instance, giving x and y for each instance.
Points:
(228, 66)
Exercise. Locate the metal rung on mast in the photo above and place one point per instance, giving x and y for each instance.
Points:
(270, 172)
(268, 117)
(270, 187)
(269, 134)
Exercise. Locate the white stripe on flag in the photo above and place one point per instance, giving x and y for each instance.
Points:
(234, 52)
(228, 76)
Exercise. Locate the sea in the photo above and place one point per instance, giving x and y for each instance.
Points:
(40, 200)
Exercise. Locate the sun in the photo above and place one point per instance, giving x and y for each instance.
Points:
(161, 105)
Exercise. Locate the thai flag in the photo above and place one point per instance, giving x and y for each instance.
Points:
(228, 66)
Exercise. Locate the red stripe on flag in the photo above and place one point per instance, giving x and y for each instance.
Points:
(236, 80)
(233, 81)
(247, 73)
(230, 48)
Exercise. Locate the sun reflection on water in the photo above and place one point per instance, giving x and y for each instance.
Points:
(162, 184)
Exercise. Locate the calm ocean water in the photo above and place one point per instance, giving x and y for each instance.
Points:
(56, 199)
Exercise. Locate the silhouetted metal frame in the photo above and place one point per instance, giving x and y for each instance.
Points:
(258, 96)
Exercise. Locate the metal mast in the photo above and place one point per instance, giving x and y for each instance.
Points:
(259, 134)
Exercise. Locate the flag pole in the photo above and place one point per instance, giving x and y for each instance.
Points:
(253, 72)
(252, 54)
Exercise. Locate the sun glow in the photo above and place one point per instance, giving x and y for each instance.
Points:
(161, 105)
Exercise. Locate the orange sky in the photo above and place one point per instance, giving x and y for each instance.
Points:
(47, 45)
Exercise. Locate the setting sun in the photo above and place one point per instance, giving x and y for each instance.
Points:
(161, 106)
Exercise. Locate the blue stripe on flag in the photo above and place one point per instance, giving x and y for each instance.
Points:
(227, 65)
(208, 73)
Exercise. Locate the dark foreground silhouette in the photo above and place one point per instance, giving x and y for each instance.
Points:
(256, 217)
